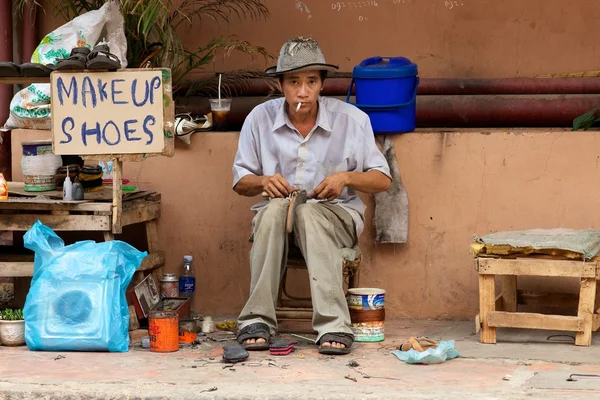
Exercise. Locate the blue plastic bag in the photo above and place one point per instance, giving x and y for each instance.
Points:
(444, 351)
(77, 297)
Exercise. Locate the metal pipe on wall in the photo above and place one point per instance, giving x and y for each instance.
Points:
(29, 34)
(6, 91)
(338, 86)
(452, 111)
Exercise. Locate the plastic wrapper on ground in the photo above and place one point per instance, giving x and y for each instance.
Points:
(444, 351)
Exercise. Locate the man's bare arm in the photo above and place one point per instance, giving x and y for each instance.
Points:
(252, 185)
(367, 182)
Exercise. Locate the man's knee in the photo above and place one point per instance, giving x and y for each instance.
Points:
(307, 211)
(275, 211)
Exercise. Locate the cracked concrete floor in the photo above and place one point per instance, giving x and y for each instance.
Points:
(524, 364)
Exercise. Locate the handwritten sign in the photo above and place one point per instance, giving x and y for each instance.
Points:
(107, 112)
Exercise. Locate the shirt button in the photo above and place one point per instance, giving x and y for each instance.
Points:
(300, 165)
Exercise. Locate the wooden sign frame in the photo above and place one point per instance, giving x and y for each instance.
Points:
(168, 117)
(117, 159)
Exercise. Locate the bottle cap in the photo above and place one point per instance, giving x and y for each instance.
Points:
(188, 258)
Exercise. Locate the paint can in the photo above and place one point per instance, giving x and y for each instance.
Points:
(367, 314)
(163, 328)
(187, 331)
(169, 286)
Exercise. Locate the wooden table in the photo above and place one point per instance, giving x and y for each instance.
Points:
(95, 213)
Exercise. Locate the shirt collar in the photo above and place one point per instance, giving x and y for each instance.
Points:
(322, 117)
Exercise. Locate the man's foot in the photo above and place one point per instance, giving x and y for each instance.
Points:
(255, 336)
(335, 343)
(253, 341)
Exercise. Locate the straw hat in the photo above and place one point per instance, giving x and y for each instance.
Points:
(300, 54)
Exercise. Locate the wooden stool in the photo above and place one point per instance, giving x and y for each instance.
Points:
(294, 307)
(501, 311)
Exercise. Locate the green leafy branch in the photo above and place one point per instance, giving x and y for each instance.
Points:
(587, 120)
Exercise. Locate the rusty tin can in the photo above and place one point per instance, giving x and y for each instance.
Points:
(169, 286)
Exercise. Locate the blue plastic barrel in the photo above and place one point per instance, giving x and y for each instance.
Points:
(386, 89)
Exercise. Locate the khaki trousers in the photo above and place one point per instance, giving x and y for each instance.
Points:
(321, 231)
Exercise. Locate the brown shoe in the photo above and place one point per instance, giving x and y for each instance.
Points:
(419, 344)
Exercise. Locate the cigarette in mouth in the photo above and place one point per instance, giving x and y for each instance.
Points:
(298, 107)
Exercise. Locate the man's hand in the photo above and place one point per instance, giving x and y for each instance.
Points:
(331, 187)
(276, 186)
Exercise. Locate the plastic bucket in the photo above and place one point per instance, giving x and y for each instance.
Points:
(367, 314)
(163, 328)
(39, 182)
(386, 89)
(37, 147)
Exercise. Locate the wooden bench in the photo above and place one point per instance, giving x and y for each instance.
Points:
(500, 311)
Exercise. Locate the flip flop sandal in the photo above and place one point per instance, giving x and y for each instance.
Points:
(418, 343)
(75, 62)
(185, 124)
(101, 58)
(234, 354)
(282, 347)
(9, 70)
(344, 338)
(296, 198)
(254, 331)
(35, 70)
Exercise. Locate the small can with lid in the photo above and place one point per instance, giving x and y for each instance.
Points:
(169, 286)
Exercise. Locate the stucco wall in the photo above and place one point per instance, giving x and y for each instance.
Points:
(459, 183)
(458, 38)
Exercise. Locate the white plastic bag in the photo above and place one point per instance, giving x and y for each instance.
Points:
(30, 108)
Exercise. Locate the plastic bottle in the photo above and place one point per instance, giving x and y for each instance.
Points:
(68, 188)
(3, 188)
(77, 190)
(187, 280)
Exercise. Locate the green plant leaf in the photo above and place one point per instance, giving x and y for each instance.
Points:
(586, 120)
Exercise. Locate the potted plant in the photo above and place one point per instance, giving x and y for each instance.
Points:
(12, 327)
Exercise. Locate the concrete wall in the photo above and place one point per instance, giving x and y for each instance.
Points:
(459, 183)
(458, 38)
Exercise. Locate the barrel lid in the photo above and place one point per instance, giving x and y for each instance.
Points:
(385, 67)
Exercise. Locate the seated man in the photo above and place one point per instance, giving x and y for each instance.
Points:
(327, 148)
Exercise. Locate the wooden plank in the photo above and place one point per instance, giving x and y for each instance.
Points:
(108, 236)
(596, 322)
(550, 300)
(32, 204)
(499, 302)
(503, 319)
(141, 214)
(24, 80)
(169, 114)
(477, 324)
(154, 260)
(23, 222)
(15, 269)
(509, 293)
(152, 236)
(587, 297)
(536, 267)
(134, 324)
(487, 302)
(117, 199)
